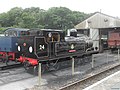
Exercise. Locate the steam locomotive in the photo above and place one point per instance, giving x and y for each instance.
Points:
(50, 47)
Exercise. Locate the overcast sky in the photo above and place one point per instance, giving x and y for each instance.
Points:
(110, 7)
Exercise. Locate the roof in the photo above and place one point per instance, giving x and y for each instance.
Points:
(51, 30)
(99, 20)
(16, 29)
(37, 29)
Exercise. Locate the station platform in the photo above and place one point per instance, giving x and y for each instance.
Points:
(111, 82)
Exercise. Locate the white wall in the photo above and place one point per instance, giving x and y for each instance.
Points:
(94, 35)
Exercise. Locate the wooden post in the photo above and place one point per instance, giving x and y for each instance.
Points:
(39, 74)
(73, 66)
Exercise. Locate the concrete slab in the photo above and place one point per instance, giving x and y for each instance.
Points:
(13, 78)
(1, 82)
(111, 82)
(22, 85)
(116, 86)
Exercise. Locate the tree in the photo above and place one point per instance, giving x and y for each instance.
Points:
(14, 16)
(63, 18)
(34, 17)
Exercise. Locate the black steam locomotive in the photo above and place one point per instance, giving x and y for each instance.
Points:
(49, 47)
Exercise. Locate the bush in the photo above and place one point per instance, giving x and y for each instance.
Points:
(2, 29)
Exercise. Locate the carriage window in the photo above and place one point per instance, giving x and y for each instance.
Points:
(14, 33)
(11, 33)
(6, 34)
(53, 37)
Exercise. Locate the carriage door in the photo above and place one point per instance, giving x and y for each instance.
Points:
(52, 39)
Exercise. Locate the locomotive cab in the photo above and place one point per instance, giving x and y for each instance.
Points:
(48, 41)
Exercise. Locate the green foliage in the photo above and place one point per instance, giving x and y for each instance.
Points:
(2, 30)
(34, 17)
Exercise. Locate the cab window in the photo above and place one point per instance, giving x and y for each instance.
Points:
(11, 33)
(53, 37)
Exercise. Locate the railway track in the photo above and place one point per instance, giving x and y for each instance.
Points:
(5, 67)
(74, 85)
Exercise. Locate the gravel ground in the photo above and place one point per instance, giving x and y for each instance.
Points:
(13, 75)
(84, 71)
(18, 79)
(86, 83)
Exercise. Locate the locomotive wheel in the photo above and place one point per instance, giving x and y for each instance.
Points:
(44, 69)
(79, 61)
(34, 69)
(7, 62)
(56, 66)
(53, 65)
(26, 65)
(2, 60)
(112, 50)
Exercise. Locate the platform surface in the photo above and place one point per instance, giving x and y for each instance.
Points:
(111, 82)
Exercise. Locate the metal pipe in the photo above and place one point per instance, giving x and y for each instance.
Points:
(107, 56)
(89, 49)
(92, 62)
(118, 54)
(73, 66)
(35, 69)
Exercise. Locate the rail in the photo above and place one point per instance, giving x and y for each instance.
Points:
(70, 85)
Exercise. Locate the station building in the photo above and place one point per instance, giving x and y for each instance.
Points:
(98, 27)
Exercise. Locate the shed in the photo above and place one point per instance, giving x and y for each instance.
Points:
(97, 27)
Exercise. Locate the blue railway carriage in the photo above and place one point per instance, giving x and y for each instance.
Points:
(8, 43)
